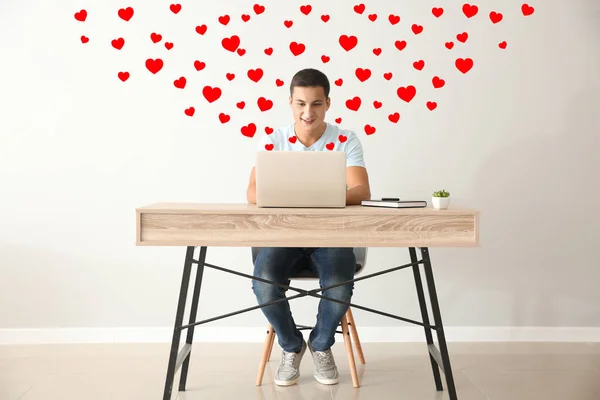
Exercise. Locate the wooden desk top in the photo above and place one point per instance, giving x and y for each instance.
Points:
(246, 225)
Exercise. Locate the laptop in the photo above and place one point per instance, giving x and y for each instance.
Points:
(310, 179)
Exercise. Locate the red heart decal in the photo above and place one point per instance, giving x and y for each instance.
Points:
(359, 9)
(85, 39)
(306, 9)
(245, 17)
(495, 17)
(201, 29)
(502, 45)
(169, 46)
(464, 65)
(354, 103)
(330, 146)
(363, 74)
(264, 104)
(190, 111)
(377, 51)
(230, 76)
(339, 82)
(249, 130)
(269, 146)
(373, 17)
(81, 15)
(231, 44)
(406, 93)
(338, 120)
(279, 82)
(268, 130)
(199, 65)
(400, 44)
(269, 51)
(324, 18)
(387, 76)
(325, 59)
(241, 52)
(154, 65)
(369, 130)
(123, 76)
(297, 48)
(211, 94)
(255, 74)
(288, 24)
(155, 37)
(418, 65)
(377, 104)
(118, 43)
(241, 105)
(395, 117)
(449, 45)
(224, 19)
(438, 82)
(342, 138)
(126, 13)
(469, 10)
(432, 105)
(175, 8)
(437, 11)
(224, 118)
(417, 29)
(462, 37)
(180, 83)
(527, 10)
(293, 139)
(348, 42)
(258, 9)
(394, 19)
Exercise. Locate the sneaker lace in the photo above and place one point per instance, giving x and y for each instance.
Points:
(288, 359)
(324, 357)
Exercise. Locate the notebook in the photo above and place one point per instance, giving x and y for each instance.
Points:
(394, 203)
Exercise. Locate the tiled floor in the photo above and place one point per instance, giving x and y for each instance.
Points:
(494, 371)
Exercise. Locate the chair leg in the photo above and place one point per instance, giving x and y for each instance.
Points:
(348, 343)
(273, 333)
(266, 355)
(354, 332)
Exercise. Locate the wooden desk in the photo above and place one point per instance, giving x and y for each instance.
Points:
(242, 225)
(188, 224)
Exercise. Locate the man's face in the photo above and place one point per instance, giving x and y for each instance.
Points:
(309, 105)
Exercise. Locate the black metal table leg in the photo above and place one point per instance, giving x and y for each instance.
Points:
(175, 359)
(193, 312)
(439, 326)
(425, 316)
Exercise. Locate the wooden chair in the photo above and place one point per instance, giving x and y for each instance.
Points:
(347, 322)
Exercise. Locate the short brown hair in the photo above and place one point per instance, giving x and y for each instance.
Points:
(310, 77)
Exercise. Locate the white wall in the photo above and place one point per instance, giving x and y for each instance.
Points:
(516, 137)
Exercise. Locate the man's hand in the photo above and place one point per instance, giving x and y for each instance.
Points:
(359, 189)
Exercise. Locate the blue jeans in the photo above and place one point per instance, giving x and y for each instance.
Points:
(279, 264)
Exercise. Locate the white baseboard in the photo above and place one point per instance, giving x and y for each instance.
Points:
(257, 335)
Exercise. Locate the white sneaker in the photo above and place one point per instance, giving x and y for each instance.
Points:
(325, 369)
(288, 371)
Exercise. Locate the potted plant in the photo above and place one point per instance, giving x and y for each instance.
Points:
(440, 200)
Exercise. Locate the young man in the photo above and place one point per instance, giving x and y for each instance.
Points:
(309, 100)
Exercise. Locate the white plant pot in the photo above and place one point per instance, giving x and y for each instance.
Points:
(440, 203)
